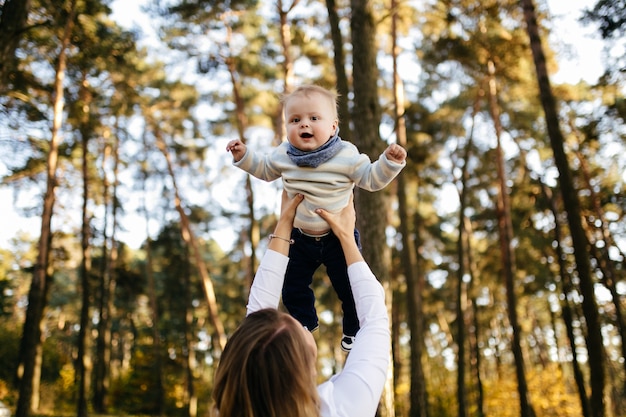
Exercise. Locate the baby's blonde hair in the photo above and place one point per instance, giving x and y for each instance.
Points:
(307, 89)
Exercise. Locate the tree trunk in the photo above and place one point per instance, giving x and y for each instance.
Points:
(157, 408)
(189, 352)
(254, 232)
(461, 307)
(571, 203)
(463, 251)
(475, 359)
(415, 288)
(102, 297)
(107, 285)
(31, 336)
(85, 266)
(467, 263)
(568, 316)
(339, 62)
(505, 228)
(12, 23)
(190, 238)
(372, 207)
(410, 263)
(611, 275)
(288, 71)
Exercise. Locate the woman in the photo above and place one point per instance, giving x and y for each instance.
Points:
(268, 366)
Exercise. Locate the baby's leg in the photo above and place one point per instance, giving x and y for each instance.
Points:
(336, 268)
(298, 297)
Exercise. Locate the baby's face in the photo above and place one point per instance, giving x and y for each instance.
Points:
(311, 120)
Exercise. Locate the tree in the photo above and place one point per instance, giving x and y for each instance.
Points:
(411, 267)
(189, 238)
(86, 130)
(610, 14)
(106, 288)
(339, 62)
(81, 113)
(571, 204)
(118, 57)
(13, 18)
(567, 288)
(31, 336)
(372, 207)
(505, 228)
(157, 348)
(463, 269)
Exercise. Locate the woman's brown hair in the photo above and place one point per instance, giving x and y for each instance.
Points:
(267, 369)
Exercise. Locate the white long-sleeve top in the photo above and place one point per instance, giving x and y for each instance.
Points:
(328, 186)
(356, 390)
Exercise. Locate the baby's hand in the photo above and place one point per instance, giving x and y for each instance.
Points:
(395, 153)
(237, 148)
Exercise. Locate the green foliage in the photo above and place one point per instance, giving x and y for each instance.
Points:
(7, 286)
(610, 15)
(9, 349)
(501, 396)
(54, 361)
(553, 392)
(134, 392)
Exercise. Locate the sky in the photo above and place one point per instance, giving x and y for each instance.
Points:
(581, 59)
(586, 59)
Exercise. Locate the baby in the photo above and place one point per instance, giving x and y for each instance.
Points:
(317, 163)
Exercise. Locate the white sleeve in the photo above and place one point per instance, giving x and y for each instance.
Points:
(356, 390)
(374, 176)
(268, 282)
(261, 166)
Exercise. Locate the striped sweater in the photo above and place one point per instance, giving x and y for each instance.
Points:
(328, 186)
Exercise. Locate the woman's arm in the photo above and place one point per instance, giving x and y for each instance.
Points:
(359, 386)
(280, 240)
(268, 281)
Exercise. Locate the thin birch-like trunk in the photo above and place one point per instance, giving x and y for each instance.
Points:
(505, 228)
(189, 237)
(37, 296)
(571, 203)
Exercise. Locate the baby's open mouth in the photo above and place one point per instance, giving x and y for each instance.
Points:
(306, 135)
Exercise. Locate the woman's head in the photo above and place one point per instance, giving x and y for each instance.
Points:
(268, 369)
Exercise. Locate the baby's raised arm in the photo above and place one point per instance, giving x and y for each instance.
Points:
(237, 148)
(395, 153)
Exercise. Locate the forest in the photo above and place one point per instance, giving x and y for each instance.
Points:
(501, 245)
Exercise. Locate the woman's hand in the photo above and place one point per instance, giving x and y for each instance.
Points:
(342, 225)
(288, 207)
(343, 222)
(281, 238)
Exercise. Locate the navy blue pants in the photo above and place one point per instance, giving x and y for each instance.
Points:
(305, 256)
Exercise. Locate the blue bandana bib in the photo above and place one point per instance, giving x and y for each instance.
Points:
(318, 156)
